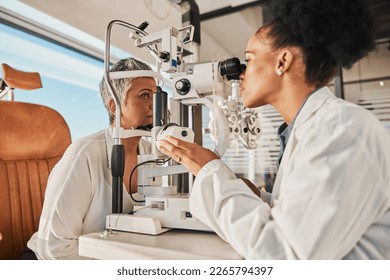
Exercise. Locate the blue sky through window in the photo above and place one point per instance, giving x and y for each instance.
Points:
(70, 80)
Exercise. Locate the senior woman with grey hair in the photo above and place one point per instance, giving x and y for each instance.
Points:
(78, 193)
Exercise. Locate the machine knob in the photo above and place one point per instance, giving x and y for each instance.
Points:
(183, 86)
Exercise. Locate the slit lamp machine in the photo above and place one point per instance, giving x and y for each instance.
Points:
(193, 84)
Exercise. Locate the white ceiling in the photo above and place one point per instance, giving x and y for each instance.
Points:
(231, 31)
(221, 37)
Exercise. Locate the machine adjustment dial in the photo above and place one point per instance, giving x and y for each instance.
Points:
(183, 86)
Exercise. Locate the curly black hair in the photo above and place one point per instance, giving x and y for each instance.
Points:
(329, 33)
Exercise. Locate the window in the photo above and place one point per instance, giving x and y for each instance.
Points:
(70, 80)
(69, 61)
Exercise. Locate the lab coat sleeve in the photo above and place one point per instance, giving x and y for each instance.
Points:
(68, 196)
(233, 211)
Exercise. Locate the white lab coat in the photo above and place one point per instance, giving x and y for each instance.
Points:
(78, 197)
(331, 198)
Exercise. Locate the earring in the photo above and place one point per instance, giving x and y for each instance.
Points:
(278, 72)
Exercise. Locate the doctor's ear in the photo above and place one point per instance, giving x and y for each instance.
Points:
(283, 61)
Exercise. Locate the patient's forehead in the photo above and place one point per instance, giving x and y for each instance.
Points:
(142, 83)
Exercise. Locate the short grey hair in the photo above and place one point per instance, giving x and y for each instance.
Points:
(120, 86)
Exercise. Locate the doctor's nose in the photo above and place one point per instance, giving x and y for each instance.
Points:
(242, 76)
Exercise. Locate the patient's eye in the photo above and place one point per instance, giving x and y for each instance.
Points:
(146, 95)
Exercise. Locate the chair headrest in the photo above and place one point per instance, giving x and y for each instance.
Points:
(31, 131)
(19, 79)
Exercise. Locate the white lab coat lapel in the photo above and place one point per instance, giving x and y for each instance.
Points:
(313, 103)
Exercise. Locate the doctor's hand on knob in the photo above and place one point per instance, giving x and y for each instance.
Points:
(190, 155)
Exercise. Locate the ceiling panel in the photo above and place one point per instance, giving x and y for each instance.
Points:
(231, 30)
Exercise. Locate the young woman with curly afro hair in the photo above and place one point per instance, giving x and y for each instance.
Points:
(331, 197)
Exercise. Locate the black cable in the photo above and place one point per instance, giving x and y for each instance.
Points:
(156, 161)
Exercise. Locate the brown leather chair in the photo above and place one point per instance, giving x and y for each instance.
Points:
(33, 139)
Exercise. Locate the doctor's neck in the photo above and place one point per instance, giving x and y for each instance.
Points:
(290, 99)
